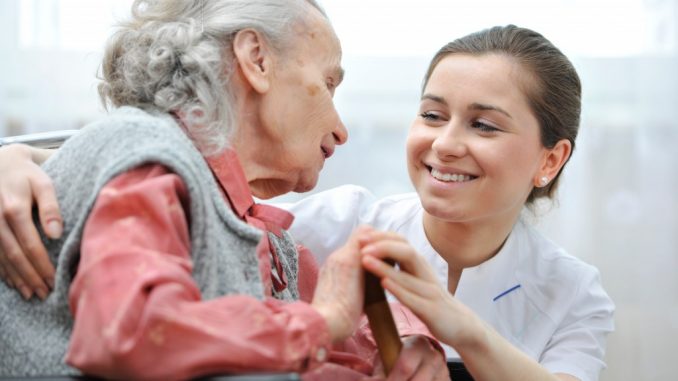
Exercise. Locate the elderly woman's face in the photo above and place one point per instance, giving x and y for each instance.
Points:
(298, 116)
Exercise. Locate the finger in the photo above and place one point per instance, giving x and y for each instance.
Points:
(412, 299)
(409, 362)
(4, 275)
(29, 238)
(415, 293)
(48, 207)
(14, 277)
(373, 235)
(404, 254)
(432, 367)
(19, 268)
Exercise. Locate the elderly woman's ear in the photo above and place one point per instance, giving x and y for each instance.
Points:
(254, 57)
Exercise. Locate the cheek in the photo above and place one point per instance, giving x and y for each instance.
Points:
(514, 162)
(416, 142)
(320, 109)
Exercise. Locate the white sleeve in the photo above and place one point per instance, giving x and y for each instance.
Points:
(578, 345)
(324, 221)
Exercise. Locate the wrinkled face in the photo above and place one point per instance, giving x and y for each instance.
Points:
(474, 149)
(299, 112)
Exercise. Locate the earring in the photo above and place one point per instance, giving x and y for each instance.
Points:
(544, 181)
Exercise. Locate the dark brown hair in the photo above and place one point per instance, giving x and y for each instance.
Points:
(555, 92)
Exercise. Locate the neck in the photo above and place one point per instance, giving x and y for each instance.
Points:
(466, 244)
(252, 145)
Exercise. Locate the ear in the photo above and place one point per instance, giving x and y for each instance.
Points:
(553, 160)
(254, 58)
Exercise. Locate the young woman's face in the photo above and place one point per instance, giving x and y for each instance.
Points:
(474, 150)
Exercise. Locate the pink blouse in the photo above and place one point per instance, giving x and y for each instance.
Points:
(139, 313)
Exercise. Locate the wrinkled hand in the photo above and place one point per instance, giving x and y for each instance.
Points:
(339, 294)
(419, 361)
(24, 263)
(416, 286)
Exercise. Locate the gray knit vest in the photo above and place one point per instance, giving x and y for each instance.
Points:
(34, 335)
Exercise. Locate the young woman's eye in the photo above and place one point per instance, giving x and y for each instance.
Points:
(429, 116)
(484, 127)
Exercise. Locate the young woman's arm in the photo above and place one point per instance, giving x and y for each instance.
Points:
(486, 354)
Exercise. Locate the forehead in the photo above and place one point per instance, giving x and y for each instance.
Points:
(317, 40)
(485, 78)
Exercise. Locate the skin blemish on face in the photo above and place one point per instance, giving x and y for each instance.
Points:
(312, 89)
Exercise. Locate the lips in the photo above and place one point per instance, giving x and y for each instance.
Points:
(327, 151)
(450, 174)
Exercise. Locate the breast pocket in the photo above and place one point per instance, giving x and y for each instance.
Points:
(522, 323)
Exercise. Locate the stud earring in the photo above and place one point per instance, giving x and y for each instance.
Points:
(544, 180)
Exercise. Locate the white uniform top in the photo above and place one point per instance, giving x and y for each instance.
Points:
(545, 302)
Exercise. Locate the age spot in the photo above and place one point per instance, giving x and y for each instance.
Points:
(312, 89)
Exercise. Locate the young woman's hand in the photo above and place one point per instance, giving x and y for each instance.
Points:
(24, 263)
(416, 286)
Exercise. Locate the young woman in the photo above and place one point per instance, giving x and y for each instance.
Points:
(498, 120)
(497, 123)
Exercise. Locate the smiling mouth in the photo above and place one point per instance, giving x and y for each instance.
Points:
(450, 177)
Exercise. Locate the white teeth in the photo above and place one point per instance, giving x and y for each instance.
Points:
(449, 177)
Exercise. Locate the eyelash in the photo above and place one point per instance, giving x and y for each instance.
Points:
(483, 127)
(429, 116)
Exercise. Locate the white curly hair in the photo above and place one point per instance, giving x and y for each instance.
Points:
(176, 56)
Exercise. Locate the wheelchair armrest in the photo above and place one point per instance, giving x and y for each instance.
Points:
(51, 139)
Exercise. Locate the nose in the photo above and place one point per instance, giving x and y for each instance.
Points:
(340, 133)
(450, 142)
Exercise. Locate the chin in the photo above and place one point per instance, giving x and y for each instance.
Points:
(442, 209)
(306, 184)
(305, 187)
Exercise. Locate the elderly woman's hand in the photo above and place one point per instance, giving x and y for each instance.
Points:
(24, 263)
(339, 294)
(419, 360)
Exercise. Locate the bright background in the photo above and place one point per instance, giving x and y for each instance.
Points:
(617, 206)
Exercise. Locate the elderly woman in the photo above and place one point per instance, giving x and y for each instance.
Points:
(168, 267)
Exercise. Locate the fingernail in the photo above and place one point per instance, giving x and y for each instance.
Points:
(54, 228)
(42, 293)
(50, 282)
(25, 292)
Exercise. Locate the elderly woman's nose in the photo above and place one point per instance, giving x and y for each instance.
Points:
(340, 133)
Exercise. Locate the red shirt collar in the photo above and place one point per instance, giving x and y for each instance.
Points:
(229, 173)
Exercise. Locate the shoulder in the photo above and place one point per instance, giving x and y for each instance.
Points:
(553, 279)
(126, 138)
(133, 127)
(393, 212)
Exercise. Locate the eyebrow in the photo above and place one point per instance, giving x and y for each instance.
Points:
(434, 98)
(481, 106)
(472, 106)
